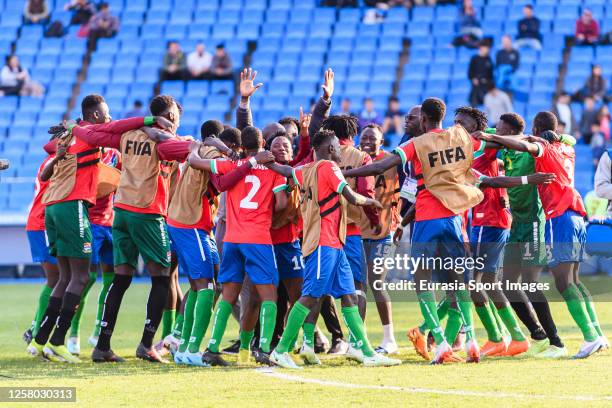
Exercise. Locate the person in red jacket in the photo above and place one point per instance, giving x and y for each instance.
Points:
(587, 29)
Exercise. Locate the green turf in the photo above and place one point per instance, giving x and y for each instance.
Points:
(510, 381)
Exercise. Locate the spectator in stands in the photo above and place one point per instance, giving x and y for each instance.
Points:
(507, 61)
(563, 110)
(603, 180)
(199, 62)
(102, 25)
(345, 108)
(340, 3)
(480, 73)
(393, 123)
(496, 103)
(595, 86)
(587, 29)
(82, 11)
(221, 67)
(15, 80)
(36, 12)
(174, 65)
(604, 122)
(588, 119)
(369, 115)
(529, 30)
(469, 29)
(136, 111)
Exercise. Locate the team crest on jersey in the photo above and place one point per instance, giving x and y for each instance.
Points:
(87, 247)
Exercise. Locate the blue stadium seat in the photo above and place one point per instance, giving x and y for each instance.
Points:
(273, 30)
(222, 87)
(174, 88)
(397, 14)
(176, 31)
(197, 88)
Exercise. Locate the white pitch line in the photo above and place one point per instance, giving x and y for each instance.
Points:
(271, 372)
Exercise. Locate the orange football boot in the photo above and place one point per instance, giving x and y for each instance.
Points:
(516, 347)
(419, 342)
(491, 349)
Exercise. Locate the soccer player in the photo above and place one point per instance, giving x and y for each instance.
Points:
(525, 253)
(37, 237)
(377, 244)
(247, 247)
(565, 232)
(324, 212)
(346, 128)
(491, 222)
(72, 188)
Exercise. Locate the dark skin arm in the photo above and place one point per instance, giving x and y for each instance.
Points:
(282, 169)
(408, 218)
(506, 182)
(359, 200)
(280, 201)
(374, 169)
(155, 134)
(510, 142)
(47, 171)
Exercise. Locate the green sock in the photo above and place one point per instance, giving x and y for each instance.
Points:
(488, 321)
(201, 318)
(579, 313)
(245, 339)
(441, 309)
(590, 307)
(222, 313)
(295, 320)
(267, 322)
(107, 279)
(167, 322)
(75, 324)
(293, 342)
(464, 302)
(178, 324)
(43, 301)
(309, 330)
(453, 325)
(356, 327)
(427, 303)
(499, 321)
(188, 320)
(507, 315)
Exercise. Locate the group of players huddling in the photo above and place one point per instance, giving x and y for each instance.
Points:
(310, 225)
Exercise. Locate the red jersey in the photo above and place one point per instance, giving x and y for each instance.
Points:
(250, 203)
(102, 212)
(560, 195)
(286, 234)
(330, 180)
(206, 221)
(428, 207)
(490, 212)
(36, 216)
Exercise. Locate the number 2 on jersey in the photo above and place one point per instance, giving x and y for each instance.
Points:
(246, 201)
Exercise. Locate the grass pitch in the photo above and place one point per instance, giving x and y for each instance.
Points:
(500, 381)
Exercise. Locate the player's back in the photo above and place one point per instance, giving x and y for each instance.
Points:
(250, 205)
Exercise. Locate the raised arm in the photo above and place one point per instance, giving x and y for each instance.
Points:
(374, 169)
(506, 182)
(305, 148)
(244, 117)
(323, 105)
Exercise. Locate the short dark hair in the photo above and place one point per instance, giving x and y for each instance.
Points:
(479, 116)
(251, 138)
(288, 119)
(434, 109)
(529, 6)
(344, 126)
(162, 103)
(515, 121)
(138, 103)
(220, 46)
(90, 103)
(393, 99)
(230, 135)
(103, 5)
(544, 121)
(322, 137)
(211, 128)
(373, 126)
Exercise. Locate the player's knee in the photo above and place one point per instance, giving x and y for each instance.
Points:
(349, 300)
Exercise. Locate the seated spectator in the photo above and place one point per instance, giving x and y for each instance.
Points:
(199, 62)
(15, 80)
(345, 108)
(221, 67)
(36, 12)
(394, 118)
(595, 86)
(587, 29)
(588, 119)
(102, 25)
(507, 61)
(598, 144)
(496, 103)
(369, 115)
(136, 111)
(174, 65)
(529, 30)
(480, 73)
(563, 110)
(82, 11)
(469, 26)
(604, 122)
(561, 126)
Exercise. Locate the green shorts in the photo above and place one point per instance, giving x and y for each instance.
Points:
(526, 246)
(140, 234)
(68, 229)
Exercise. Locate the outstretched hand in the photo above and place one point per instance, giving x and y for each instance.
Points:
(247, 88)
(328, 84)
(541, 178)
(304, 120)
